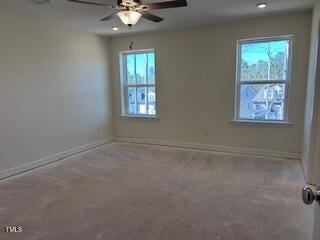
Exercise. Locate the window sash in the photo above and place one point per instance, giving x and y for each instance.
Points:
(126, 86)
(285, 110)
(240, 82)
(136, 99)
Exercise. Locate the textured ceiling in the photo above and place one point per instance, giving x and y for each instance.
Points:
(199, 12)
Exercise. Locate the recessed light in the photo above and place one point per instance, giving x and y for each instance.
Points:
(262, 5)
(115, 28)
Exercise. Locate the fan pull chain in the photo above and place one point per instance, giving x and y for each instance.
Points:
(131, 42)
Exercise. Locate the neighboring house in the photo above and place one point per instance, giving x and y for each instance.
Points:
(141, 102)
(268, 103)
(247, 106)
(152, 102)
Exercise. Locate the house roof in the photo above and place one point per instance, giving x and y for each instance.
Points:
(260, 97)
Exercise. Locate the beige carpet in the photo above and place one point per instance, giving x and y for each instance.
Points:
(137, 192)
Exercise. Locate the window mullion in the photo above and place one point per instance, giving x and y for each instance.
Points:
(135, 69)
(147, 100)
(141, 85)
(126, 99)
(147, 61)
(264, 82)
(147, 81)
(135, 81)
(136, 90)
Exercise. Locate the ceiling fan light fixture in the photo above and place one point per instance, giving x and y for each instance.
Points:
(129, 18)
(262, 5)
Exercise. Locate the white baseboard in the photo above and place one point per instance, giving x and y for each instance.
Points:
(217, 148)
(60, 156)
(53, 158)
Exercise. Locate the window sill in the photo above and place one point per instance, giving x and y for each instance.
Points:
(143, 117)
(266, 123)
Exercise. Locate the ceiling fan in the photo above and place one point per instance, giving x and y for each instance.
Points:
(130, 11)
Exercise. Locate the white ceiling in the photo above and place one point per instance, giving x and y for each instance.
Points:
(199, 12)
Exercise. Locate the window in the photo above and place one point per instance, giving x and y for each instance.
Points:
(263, 74)
(138, 83)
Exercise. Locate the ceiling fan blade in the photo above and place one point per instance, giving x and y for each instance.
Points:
(151, 17)
(91, 3)
(168, 4)
(109, 17)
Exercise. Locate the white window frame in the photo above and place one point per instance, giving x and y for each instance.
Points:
(238, 82)
(124, 86)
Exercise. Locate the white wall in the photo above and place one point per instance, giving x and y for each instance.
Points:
(309, 157)
(196, 77)
(54, 89)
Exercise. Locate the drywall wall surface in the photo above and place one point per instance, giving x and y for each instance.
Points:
(55, 91)
(196, 70)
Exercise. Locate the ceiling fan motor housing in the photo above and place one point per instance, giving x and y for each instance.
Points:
(130, 3)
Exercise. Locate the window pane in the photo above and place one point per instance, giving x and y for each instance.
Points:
(142, 100)
(140, 97)
(132, 105)
(141, 68)
(152, 101)
(151, 68)
(262, 101)
(130, 69)
(265, 60)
